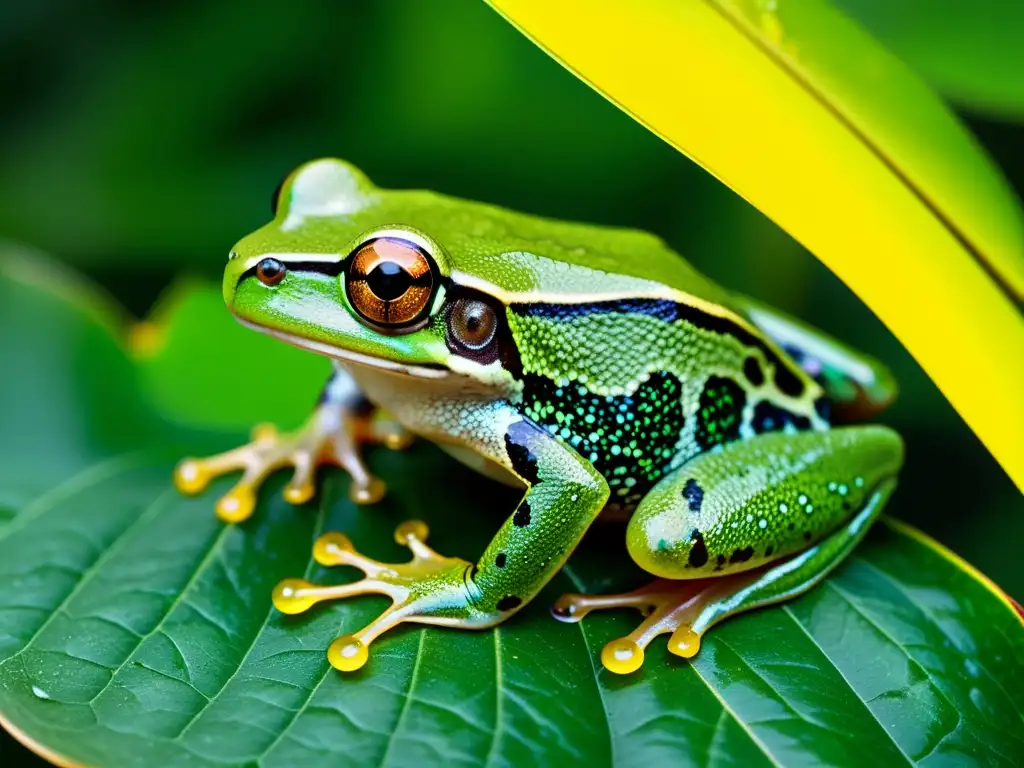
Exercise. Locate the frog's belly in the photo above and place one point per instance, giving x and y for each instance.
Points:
(481, 464)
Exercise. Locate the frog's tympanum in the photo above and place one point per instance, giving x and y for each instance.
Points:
(592, 367)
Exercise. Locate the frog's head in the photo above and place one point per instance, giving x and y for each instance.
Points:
(339, 272)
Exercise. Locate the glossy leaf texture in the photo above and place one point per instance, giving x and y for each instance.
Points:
(800, 111)
(968, 49)
(138, 630)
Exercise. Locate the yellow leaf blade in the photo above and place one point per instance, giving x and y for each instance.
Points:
(868, 195)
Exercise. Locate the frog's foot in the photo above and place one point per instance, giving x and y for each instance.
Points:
(429, 589)
(333, 436)
(676, 607)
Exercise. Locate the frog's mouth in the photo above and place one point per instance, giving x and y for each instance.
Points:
(421, 371)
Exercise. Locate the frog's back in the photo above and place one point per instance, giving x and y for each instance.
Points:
(525, 254)
(618, 346)
(515, 254)
(624, 350)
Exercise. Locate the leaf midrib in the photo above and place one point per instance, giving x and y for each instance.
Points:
(899, 747)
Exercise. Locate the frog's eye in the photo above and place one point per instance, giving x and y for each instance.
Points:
(271, 272)
(390, 283)
(472, 324)
(473, 327)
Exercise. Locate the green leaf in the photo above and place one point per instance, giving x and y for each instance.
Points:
(138, 630)
(968, 49)
(841, 126)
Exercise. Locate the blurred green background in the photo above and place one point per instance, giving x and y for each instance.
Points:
(140, 140)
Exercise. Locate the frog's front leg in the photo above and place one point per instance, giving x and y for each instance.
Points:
(759, 522)
(342, 422)
(564, 495)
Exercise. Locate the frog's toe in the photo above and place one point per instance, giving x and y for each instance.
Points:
(302, 487)
(386, 431)
(369, 492)
(429, 589)
(678, 608)
(191, 477)
(238, 504)
(267, 452)
(344, 449)
(335, 435)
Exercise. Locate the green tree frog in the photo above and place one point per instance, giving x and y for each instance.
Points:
(590, 366)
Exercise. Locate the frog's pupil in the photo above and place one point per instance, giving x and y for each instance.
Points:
(389, 281)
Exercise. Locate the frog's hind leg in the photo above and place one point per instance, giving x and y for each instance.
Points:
(687, 609)
(757, 523)
(342, 422)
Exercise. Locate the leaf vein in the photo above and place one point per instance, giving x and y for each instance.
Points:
(786, 609)
(317, 530)
(217, 543)
(85, 577)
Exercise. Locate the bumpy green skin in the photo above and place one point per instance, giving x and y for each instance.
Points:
(759, 500)
(621, 377)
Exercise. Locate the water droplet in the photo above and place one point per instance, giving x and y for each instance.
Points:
(39, 693)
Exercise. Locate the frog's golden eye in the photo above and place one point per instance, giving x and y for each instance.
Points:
(271, 271)
(390, 283)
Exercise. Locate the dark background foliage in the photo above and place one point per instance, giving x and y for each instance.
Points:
(140, 140)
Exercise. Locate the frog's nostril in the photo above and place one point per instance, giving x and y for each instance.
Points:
(233, 255)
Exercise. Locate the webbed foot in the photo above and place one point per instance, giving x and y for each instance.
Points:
(669, 606)
(334, 435)
(429, 589)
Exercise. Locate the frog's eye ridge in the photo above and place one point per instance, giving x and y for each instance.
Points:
(390, 283)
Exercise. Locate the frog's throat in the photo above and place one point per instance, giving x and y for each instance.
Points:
(347, 356)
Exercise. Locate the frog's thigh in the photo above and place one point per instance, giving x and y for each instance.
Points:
(759, 500)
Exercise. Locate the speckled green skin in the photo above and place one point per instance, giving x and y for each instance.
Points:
(759, 500)
(621, 377)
